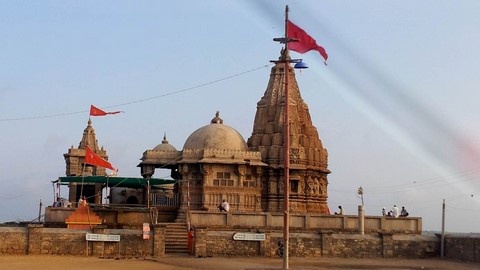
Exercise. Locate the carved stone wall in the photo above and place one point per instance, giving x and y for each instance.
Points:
(208, 184)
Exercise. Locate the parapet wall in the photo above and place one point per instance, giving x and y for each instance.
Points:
(344, 223)
(119, 218)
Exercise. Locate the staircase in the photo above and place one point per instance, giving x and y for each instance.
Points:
(176, 238)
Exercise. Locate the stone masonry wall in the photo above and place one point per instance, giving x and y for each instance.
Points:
(415, 246)
(356, 246)
(463, 247)
(14, 240)
(220, 242)
(55, 241)
(35, 239)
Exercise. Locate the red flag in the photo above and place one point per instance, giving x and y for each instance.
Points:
(305, 42)
(95, 160)
(94, 111)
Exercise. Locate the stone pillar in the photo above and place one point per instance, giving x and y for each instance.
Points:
(361, 220)
(98, 247)
(387, 245)
(72, 194)
(200, 242)
(34, 244)
(326, 248)
(265, 246)
(98, 193)
(147, 172)
(159, 232)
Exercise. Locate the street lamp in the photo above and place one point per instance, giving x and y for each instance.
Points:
(360, 193)
(361, 213)
(286, 60)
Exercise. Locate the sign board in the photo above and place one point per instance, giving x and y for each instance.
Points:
(249, 236)
(103, 237)
(162, 199)
(146, 231)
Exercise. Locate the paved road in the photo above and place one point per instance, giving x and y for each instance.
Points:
(230, 263)
(261, 263)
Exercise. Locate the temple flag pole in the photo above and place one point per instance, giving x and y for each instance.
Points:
(307, 43)
(286, 217)
(83, 175)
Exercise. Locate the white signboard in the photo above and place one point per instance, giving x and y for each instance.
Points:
(249, 236)
(103, 237)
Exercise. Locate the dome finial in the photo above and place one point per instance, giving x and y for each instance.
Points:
(165, 138)
(217, 119)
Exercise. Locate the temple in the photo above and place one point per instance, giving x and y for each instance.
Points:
(216, 163)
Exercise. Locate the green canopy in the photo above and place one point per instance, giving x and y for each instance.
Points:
(130, 182)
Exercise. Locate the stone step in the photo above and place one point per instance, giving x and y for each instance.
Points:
(176, 238)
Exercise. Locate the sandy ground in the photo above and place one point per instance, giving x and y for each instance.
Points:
(180, 262)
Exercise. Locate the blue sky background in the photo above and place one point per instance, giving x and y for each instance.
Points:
(397, 107)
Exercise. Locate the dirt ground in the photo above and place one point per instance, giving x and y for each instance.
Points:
(180, 262)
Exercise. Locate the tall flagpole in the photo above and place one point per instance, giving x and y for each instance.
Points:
(285, 59)
(286, 199)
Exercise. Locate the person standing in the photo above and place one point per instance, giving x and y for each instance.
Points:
(190, 241)
(395, 211)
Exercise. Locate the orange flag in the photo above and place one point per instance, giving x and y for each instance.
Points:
(95, 160)
(94, 111)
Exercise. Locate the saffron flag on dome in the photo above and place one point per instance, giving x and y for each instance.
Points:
(305, 42)
(94, 111)
(95, 160)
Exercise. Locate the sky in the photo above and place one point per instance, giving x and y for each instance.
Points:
(397, 106)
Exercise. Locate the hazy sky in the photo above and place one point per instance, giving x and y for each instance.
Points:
(397, 107)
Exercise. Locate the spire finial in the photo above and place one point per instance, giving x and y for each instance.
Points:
(165, 138)
(217, 119)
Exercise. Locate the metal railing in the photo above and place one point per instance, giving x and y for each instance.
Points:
(165, 199)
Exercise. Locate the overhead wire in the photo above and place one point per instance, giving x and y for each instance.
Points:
(427, 183)
(129, 103)
(139, 100)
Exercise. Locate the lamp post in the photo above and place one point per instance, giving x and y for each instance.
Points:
(360, 194)
(442, 238)
(361, 213)
(285, 59)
